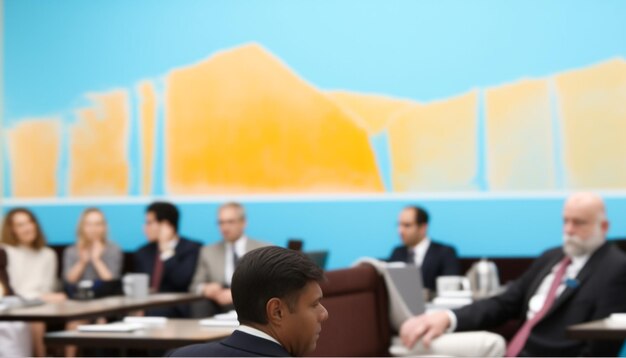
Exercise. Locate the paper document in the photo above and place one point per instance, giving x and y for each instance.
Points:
(110, 327)
(212, 322)
(145, 320)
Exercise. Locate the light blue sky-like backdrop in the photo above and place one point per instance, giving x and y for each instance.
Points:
(55, 51)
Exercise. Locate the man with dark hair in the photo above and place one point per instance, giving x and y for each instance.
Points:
(277, 295)
(169, 259)
(435, 259)
(218, 261)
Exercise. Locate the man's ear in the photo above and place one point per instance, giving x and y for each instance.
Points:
(275, 311)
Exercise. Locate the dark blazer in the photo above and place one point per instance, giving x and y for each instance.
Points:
(440, 260)
(4, 276)
(598, 291)
(239, 344)
(177, 271)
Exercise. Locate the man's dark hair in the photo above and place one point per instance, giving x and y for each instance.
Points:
(269, 272)
(421, 215)
(164, 211)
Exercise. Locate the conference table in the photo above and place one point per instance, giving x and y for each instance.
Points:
(172, 334)
(597, 330)
(74, 310)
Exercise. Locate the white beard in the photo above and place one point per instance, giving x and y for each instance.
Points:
(574, 246)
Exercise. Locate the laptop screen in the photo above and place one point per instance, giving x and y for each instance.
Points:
(319, 257)
(408, 282)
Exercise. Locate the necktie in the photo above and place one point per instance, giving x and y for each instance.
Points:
(410, 257)
(157, 272)
(518, 342)
(235, 259)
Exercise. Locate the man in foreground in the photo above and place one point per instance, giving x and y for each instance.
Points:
(277, 296)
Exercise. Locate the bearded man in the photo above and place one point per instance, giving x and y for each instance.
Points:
(584, 280)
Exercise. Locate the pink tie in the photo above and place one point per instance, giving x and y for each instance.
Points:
(518, 342)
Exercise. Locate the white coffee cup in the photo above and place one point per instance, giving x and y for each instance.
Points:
(136, 285)
(452, 284)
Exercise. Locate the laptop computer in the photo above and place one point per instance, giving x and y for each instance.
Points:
(319, 257)
(407, 280)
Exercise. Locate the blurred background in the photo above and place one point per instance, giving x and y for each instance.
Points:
(324, 118)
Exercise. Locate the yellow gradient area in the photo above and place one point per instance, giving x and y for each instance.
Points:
(519, 144)
(434, 146)
(242, 122)
(98, 147)
(373, 111)
(593, 113)
(147, 117)
(34, 149)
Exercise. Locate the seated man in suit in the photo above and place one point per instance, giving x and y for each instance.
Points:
(584, 280)
(277, 296)
(168, 258)
(217, 262)
(435, 259)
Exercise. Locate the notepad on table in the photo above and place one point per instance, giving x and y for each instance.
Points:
(146, 320)
(110, 327)
(212, 322)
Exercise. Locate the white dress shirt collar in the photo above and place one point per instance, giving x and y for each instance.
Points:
(420, 250)
(257, 333)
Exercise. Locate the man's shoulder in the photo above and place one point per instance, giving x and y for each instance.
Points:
(186, 242)
(213, 248)
(238, 344)
(440, 245)
(399, 248)
(147, 247)
(211, 349)
(256, 244)
(437, 246)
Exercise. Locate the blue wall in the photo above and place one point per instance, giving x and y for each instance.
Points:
(55, 51)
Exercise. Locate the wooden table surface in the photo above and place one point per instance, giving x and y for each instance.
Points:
(71, 309)
(175, 333)
(597, 330)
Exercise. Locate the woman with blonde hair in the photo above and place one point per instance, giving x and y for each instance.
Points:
(32, 266)
(93, 257)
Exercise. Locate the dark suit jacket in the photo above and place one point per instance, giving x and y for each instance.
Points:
(4, 276)
(598, 291)
(440, 260)
(177, 271)
(239, 344)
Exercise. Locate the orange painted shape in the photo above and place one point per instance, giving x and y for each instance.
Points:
(147, 117)
(372, 111)
(98, 147)
(593, 118)
(519, 137)
(434, 146)
(34, 149)
(242, 122)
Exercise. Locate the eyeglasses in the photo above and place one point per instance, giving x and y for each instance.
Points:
(228, 222)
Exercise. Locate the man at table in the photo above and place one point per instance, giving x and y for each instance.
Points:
(217, 262)
(584, 280)
(434, 258)
(277, 296)
(168, 258)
